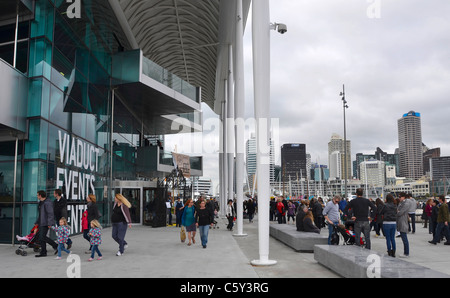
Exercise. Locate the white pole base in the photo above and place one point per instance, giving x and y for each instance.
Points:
(263, 262)
(240, 235)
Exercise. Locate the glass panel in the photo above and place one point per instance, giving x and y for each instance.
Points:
(57, 114)
(42, 25)
(158, 73)
(40, 58)
(35, 178)
(36, 146)
(38, 98)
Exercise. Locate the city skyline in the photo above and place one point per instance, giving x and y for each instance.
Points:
(390, 64)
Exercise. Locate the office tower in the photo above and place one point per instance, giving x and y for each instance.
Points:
(427, 155)
(250, 161)
(373, 172)
(337, 163)
(293, 161)
(410, 145)
(439, 175)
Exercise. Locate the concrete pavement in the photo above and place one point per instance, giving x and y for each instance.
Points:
(159, 253)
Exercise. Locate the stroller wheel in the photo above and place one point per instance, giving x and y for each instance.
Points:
(24, 253)
(36, 249)
(17, 251)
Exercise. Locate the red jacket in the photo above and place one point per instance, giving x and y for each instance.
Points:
(84, 221)
(280, 208)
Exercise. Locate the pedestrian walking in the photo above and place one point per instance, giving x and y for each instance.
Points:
(230, 215)
(402, 223)
(434, 216)
(45, 220)
(60, 210)
(179, 206)
(95, 234)
(204, 218)
(120, 219)
(188, 220)
(442, 223)
(62, 232)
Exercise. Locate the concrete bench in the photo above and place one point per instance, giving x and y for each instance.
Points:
(299, 241)
(356, 262)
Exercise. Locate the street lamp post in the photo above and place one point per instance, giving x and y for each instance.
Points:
(344, 107)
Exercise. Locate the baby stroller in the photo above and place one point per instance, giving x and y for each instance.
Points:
(346, 232)
(29, 241)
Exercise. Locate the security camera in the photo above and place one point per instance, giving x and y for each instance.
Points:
(282, 28)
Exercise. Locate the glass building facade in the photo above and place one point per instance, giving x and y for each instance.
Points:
(73, 126)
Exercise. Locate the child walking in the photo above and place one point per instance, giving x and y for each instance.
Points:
(62, 232)
(96, 239)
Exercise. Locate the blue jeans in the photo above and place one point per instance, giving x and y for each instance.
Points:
(330, 230)
(389, 232)
(204, 234)
(405, 243)
(61, 247)
(95, 249)
(441, 227)
(119, 229)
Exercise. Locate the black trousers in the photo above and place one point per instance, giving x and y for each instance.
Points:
(43, 240)
(230, 222)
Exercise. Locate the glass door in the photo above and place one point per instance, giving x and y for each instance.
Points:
(149, 208)
(134, 196)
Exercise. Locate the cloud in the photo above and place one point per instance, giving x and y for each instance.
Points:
(391, 64)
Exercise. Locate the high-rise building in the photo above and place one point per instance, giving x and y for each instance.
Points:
(293, 161)
(373, 172)
(410, 145)
(344, 163)
(440, 175)
(250, 161)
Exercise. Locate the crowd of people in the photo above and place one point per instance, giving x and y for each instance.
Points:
(52, 215)
(390, 218)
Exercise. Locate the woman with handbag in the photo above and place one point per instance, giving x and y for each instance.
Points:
(188, 220)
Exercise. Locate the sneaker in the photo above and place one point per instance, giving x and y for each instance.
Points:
(90, 259)
(99, 258)
(403, 256)
(125, 246)
(58, 258)
(118, 254)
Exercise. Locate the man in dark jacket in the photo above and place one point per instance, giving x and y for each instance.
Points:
(60, 210)
(361, 216)
(45, 220)
(442, 222)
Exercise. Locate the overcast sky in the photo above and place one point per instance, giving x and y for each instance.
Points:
(392, 55)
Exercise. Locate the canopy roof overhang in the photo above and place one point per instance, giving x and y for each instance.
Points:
(189, 38)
